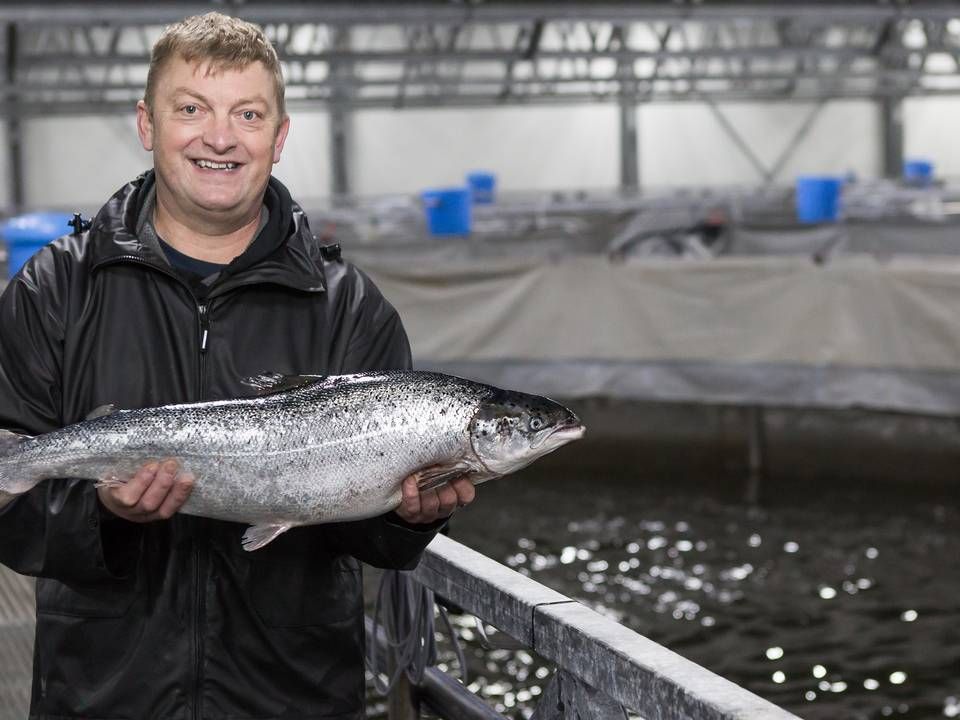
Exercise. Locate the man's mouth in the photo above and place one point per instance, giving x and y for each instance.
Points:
(212, 165)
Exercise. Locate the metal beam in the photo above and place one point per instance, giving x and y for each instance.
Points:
(341, 119)
(14, 129)
(380, 13)
(629, 145)
(556, 52)
(891, 128)
(623, 665)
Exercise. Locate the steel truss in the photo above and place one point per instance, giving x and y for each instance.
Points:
(92, 57)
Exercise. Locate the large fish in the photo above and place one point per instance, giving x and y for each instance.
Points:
(307, 449)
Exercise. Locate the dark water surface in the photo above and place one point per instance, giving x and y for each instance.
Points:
(832, 602)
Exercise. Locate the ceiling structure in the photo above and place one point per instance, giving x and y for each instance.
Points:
(92, 56)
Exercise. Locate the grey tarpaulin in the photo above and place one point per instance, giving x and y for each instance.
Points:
(856, 331)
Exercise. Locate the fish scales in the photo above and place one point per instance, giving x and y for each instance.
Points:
(315, 450)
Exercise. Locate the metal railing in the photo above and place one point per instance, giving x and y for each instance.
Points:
(602, 666)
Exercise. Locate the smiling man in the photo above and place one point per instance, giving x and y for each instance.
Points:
(197, 274)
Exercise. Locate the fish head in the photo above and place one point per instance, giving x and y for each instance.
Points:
(510, 430)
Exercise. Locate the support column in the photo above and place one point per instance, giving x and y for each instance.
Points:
(891, 128)
(341, 118)
(14, 134)
(341, 135)
(629, 151)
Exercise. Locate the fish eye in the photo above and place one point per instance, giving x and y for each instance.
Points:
(536, 424)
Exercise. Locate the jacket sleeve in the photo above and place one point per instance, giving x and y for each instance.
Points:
(52, 530)
(379, 342)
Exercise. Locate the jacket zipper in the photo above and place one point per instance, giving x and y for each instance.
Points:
(203, 312)
(199, 554)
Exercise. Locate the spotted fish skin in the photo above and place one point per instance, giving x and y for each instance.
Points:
(310, 449)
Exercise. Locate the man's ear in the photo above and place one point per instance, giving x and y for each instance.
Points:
(281, 138)
(144, 125)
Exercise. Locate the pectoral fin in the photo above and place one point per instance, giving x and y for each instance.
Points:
(257, 536)
(437, 475)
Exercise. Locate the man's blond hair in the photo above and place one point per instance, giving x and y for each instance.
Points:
(226, 43)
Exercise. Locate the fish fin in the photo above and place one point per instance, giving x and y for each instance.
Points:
(257, 536)
(110, 481)
(270, 383)
(101, 411)
(10, 440)
(437, 475)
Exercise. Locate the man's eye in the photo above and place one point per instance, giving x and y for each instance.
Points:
(250, 115)
(190, 109)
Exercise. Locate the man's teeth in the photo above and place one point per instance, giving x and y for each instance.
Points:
(215, 165)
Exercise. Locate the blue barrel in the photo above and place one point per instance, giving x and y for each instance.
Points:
(481, 185)
(918, 172)
(26, 234)
(447, 210)
(818, 198)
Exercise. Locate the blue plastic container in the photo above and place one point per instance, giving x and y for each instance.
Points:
(818, 198)
(26, 234)
(918, 172)
(447, 210)
(481, 186)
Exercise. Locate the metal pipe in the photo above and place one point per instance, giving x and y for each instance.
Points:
(382, 13)
(449, 699)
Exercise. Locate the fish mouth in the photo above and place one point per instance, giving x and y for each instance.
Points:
(569, 432)
(560, 435)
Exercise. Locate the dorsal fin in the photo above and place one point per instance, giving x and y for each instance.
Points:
(101, 411)
(270, 383)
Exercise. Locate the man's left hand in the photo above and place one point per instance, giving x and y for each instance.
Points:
(421, 508)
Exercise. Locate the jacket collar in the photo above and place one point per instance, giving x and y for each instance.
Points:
(287, 255)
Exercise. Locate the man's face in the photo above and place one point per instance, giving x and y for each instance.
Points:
(214, 137)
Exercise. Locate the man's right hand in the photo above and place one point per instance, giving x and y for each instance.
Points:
(155, 492)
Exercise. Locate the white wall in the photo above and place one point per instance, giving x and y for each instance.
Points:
(304, 165)
(930, 132)
(529, 148)
(686, 144)
(79, 162)
(76, 163)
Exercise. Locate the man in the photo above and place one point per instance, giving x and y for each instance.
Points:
(192, 277)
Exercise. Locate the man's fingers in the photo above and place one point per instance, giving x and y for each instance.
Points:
(128, 495)
(156, 493)
(466, 491)
(410, 504)
(429, 504)
(179, 492)
(446, 500)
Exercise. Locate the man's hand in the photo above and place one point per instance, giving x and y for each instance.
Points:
(431, 505)
(155, 492)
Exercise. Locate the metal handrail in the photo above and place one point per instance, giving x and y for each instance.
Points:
(619, 663)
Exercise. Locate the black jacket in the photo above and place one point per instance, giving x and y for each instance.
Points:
(173, 619)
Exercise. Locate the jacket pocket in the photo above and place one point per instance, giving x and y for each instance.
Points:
(293, 585)
(109, 599)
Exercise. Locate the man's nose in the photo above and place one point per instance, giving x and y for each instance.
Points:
(219, 134)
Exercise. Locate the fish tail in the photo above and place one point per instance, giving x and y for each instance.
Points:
(11, 484)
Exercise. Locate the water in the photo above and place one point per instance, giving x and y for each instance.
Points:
(831, 602)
